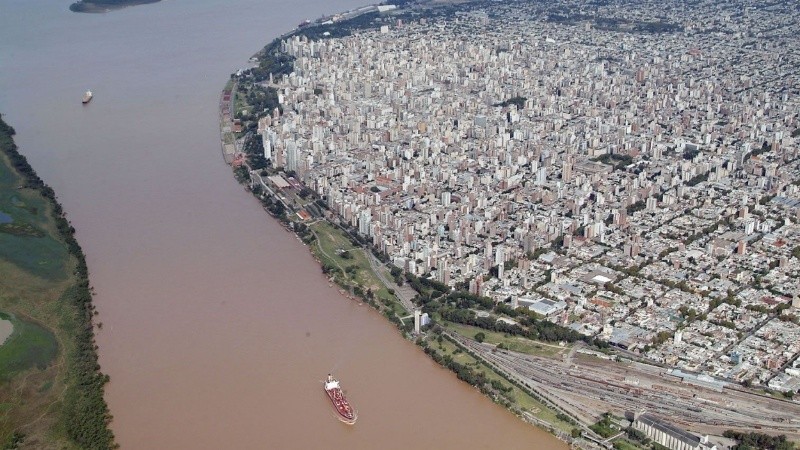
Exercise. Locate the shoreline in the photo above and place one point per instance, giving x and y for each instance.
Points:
(279, 202)
(83, 417)
(426, 339)
(234, 156)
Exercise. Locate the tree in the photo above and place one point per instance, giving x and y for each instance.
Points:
(637, 435)
(479, 336)
(753, 440)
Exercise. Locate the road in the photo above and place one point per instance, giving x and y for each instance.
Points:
(403, 293)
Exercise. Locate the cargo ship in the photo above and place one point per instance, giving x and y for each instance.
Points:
(87, 97)
(345, 412)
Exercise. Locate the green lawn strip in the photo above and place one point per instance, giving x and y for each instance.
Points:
(513, 343)
(239, 103)
(521, 399)
(396, 307)
(624, 444)
(384, 295)
(605, 427)
(233, 105)
(333, 242)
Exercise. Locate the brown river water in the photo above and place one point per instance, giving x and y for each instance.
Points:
(218, 326)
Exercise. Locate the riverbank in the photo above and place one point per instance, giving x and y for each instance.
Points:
(346, 261)
(203, 316)
(292, 197)
(52, 388)
(344, 256)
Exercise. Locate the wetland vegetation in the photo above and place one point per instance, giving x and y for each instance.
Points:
(51, 387)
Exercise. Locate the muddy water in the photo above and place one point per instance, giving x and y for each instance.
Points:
(218, 326)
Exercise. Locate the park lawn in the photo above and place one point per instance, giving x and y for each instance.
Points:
(228, 138)
(521, 398)
(236, 104)
(392, 302)
(331, 241)
(624, 444)
(384, 295)
(513, 343)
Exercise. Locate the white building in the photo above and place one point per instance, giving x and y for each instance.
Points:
(669, 435)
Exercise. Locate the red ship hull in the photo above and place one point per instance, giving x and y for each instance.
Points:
(345, 412)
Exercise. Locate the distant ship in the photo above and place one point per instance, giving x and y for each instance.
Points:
(87, 97)
(346, 412)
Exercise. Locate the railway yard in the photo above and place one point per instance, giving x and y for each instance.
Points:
(584, 385)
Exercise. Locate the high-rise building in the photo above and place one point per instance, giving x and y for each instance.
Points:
(364, 221)
(566, 174)
(651, 204)
(541, 176)
(291, 156)
(446, 198)
(424, 320)
(265, 142)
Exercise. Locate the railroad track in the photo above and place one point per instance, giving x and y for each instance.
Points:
(588, 389)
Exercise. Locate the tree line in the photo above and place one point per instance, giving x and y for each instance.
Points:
(456, 306)
(537, 329)
(754, 440)
(84, 413)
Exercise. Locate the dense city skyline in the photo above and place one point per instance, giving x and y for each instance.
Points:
(538, 162)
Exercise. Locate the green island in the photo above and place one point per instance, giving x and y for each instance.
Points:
(101, 6)
(460, 321)
(51, 388)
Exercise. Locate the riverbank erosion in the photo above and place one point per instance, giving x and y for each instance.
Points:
(50, 382)
(102, 6)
